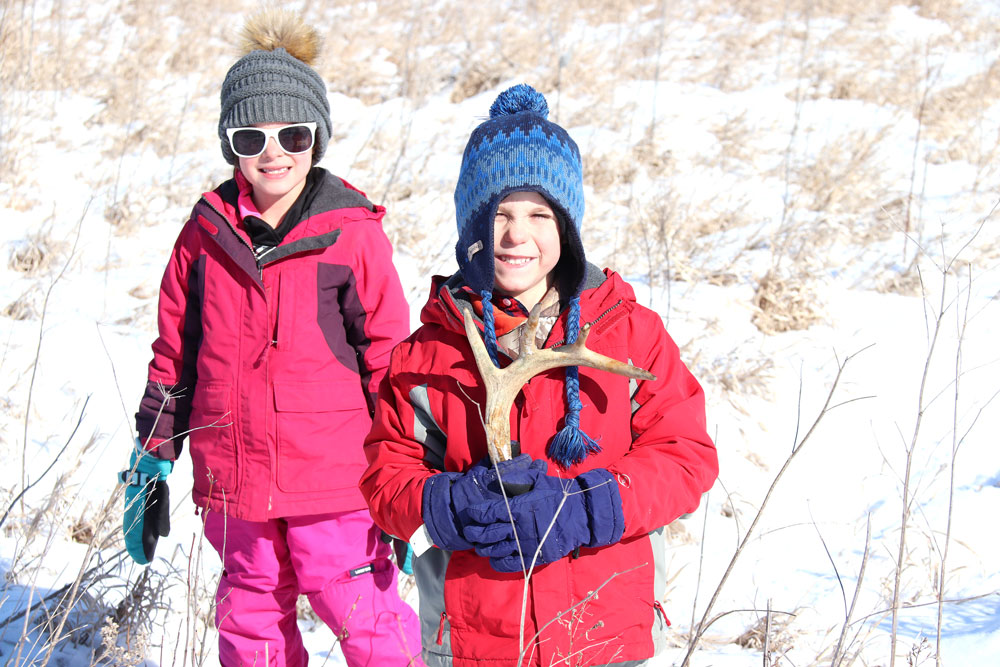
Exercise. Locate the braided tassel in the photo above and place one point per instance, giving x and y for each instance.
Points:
(489, 327)
(571, 445)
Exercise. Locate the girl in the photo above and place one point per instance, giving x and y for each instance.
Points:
(278, 309)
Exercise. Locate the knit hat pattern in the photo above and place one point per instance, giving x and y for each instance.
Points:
(517, 149)
(273, 86)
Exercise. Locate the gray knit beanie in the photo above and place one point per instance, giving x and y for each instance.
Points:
(273, 82)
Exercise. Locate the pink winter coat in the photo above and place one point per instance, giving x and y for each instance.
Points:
(274, 366)
(604, 606)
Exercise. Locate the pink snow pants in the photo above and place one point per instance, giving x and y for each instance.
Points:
(338, 561)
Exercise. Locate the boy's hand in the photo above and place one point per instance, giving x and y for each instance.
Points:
(147, 504)
(448, 496)
(554, 518)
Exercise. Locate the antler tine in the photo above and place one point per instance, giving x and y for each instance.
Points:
(577, 354)
(479, 353)
(499, 399)
(503, 385)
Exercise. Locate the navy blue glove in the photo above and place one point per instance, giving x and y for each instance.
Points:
(147, 504)
(448, 496)
(552, 519)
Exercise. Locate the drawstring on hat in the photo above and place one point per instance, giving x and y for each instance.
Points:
(571, 445)
(489, 327)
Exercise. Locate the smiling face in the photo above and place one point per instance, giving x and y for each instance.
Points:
(526, 247)
(277, 177)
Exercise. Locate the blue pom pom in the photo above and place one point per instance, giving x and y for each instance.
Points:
(521, 97)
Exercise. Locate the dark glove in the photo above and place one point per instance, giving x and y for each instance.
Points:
(147, 504)
(402, 550)
(552, 519)
(448, 496)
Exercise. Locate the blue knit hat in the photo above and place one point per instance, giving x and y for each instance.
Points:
(516, 150)
(519, 150)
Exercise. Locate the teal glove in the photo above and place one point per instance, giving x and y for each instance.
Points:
(403, 551)
(147, 504)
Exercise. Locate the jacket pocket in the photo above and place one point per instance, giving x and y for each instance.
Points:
(485, 605)
(321, 427)
(213, 447)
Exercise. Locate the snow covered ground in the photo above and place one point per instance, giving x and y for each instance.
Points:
(739, 143)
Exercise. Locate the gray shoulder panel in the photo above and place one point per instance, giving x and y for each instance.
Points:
(426, 430)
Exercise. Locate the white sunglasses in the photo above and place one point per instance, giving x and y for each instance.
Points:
(251, 141)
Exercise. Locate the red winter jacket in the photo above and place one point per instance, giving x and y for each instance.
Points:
(274, 367)
(653, 440)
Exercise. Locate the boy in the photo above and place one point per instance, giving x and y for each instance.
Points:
(591, 513)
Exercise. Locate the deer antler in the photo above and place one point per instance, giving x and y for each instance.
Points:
(503, 384)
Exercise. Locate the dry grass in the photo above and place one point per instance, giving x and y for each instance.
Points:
(92, 612)
(735, 136)
(906, 283)
(677, 533)
(955, 118)
(38, 254)
(157, 95)
(111, 652)
(603, 172)
(126, 215)
(784, 303)
(738, 376)
(772, 633)
(24, 307)
(163, 96)
(846, 177)
(669, 238)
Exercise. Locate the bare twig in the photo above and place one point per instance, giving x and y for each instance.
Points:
(766, 652)
(829, 557)
(701, 562)
(752, 610)
(934, 331)
(837, 657)
(900, 555)
(73, 594)
(38, 347)
(918, 605)
(589, 597)
(697, 632)
(786, 204)
(921, 108)
(962, 322)
(27, 488)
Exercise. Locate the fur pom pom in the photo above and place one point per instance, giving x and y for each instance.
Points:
(273, 29)
(521, 97)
